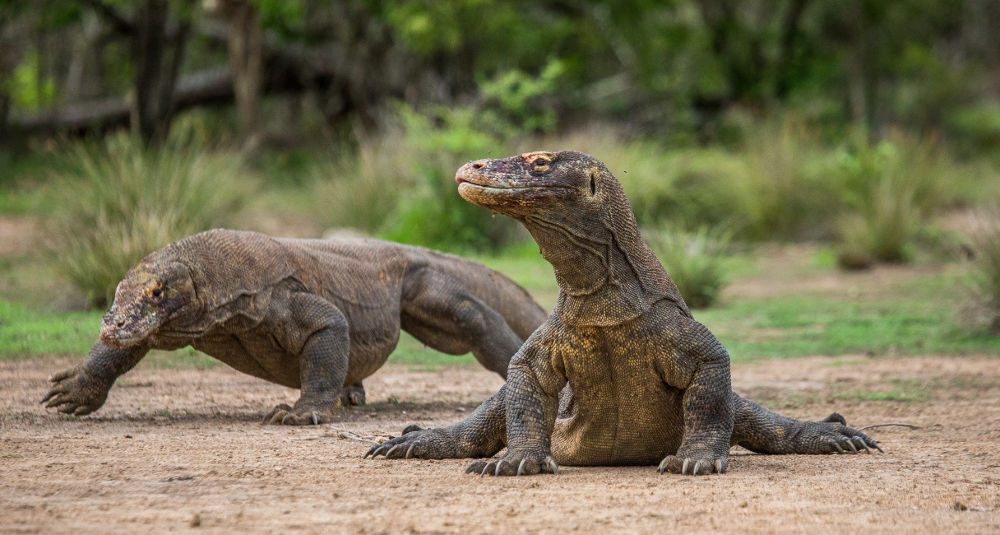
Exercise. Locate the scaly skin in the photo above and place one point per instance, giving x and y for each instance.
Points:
(320, 315)
(620, 373)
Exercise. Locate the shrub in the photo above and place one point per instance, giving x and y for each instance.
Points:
(986, 251)
(362, 189)
(788, 190)
(886, 191)
(430, 211)
(694, 260)
(119, 201)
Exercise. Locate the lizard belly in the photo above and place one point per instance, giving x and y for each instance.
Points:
(639, 428)
(623, 411)
(255, 355)
(374, 335)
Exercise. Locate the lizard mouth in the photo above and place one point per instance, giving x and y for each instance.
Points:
(119, 331)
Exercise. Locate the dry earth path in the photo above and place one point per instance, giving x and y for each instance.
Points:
(181, 451)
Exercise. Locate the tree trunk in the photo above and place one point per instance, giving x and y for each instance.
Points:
(246, 61)
(155, 69)
(789, 36)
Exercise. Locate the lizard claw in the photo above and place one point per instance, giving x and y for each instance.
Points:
(375, 451)
(551, 463)
(514, 463)
(309, 414)
(500, 464)
(75, 391)
(832, 437)
(419, 444)
(692, 465)
(486, 468)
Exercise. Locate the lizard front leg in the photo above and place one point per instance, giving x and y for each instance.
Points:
(533, 385)
(482, 434)
(84, 388)
(322, 331)
(701, 369)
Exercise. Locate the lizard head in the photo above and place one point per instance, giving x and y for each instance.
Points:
(150, 296)
(525, 184)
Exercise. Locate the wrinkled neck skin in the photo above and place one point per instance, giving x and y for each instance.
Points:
(598, 284)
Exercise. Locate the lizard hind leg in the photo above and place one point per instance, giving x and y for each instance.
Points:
(763, 431)
(353, 395)
(443, 313)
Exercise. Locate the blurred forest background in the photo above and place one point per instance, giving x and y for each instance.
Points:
(749, 135)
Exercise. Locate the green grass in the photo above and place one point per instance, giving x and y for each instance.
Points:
(26, 331)
(920, 319)
(913, 317)
(902, 390)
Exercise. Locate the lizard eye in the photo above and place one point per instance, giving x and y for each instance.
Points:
(541, 165)
(156, 293)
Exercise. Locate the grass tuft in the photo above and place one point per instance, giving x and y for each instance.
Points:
(120, 201)
(695, 260)
(986, 255)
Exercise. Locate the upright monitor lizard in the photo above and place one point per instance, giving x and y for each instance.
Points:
(620, 373)
(320, 315)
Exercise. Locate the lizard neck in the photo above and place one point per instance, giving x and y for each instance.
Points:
(598, 282)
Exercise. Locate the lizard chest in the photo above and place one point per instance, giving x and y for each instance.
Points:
(623, 411)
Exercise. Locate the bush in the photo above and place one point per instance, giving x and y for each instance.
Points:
(119, 201)
(886, 191)
(430, 212)
(986, 251)
(362, 189)
(694, 260)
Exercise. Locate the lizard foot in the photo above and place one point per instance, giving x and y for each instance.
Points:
(353, 395)
(76, 392)
(515, 463)
(694, 464)
(304, 415)
(415, 443)
(832, 436)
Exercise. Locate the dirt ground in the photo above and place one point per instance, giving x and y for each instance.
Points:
(182, 450)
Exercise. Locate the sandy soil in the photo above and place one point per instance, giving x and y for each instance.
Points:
(181, 450)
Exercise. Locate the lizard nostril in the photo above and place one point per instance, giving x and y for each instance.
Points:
(121, 323)
(477, 165)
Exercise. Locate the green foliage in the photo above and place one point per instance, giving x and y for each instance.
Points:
(119, 201)
(694, 260)
(515, 97)
(976, 127)
(431, 213)
(29, 88)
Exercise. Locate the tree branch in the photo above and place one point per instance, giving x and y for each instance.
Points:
(118, 22)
